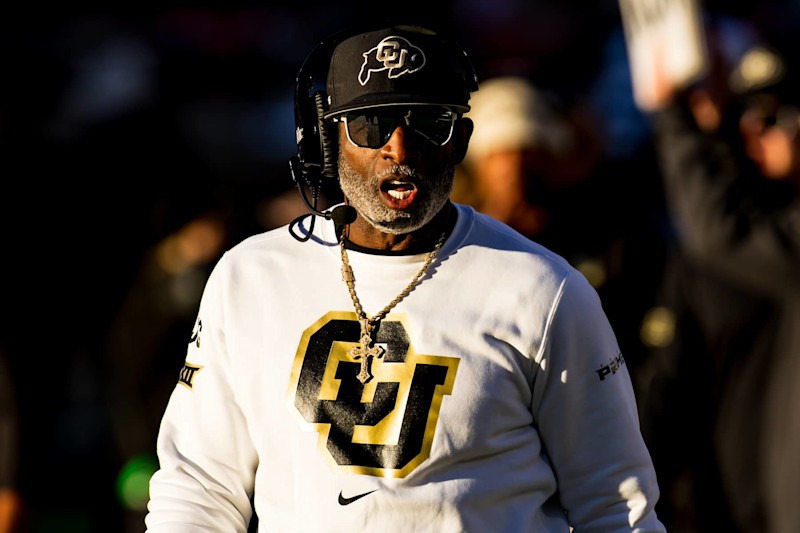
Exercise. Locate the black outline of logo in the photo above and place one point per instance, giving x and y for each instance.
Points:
(402, 370)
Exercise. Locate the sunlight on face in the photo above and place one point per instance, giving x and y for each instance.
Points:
(363, 192)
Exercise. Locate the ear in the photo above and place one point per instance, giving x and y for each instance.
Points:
(462, 131)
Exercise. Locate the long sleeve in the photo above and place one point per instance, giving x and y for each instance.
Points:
(487, 406)
(585, 410)
(207, 459)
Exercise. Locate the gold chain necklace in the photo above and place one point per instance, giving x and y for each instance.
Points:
(366, 350)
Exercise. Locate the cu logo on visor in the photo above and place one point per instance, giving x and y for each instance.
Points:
(394, 54)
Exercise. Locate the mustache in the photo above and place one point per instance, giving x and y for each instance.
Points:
(397, 170)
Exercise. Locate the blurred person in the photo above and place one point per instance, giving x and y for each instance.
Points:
(150, 325)
(522, 167)
(539, 165)
(722, 414)
(409, 365)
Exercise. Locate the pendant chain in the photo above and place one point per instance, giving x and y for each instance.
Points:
(350, 280)
(366, 349)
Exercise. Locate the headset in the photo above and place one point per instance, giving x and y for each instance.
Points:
(317, 138)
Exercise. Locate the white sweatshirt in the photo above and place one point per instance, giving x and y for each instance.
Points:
(500, 401)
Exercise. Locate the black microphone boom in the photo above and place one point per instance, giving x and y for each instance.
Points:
(341, 215)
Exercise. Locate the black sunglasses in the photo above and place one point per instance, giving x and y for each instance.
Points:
(371, 128)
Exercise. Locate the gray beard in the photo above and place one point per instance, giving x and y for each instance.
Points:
(363, 193)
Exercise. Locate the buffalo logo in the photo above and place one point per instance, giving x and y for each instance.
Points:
(187, 374)
(384, 427)
(394, 54)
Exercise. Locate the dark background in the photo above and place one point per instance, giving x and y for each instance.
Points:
(121, 125)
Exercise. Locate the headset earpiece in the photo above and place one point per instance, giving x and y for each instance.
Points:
(317, 139)
(317, 146)
(328, 140)
(308, 161)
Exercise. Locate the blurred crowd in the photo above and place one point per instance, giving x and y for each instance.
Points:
(143, 144)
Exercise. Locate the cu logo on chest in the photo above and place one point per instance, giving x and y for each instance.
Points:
(383, 427)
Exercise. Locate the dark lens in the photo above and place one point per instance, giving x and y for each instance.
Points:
(369, 130)
(372, 129)
(435, 125)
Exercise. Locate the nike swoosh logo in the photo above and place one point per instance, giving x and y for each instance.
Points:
(348, 501)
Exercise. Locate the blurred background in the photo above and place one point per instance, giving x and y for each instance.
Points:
(140, 143)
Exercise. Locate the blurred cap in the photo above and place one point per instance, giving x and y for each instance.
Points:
(510, 113)
(398, 65)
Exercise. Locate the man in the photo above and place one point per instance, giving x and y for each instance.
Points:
(723, 402)
(419, 368)
(523, 158)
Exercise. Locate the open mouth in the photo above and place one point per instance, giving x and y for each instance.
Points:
(398, 194)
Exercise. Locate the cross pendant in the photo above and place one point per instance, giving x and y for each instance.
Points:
(364, 351)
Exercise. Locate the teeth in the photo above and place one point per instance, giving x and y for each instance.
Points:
(399, 189)
(399, 195)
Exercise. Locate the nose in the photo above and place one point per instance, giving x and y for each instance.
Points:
(401, 147)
